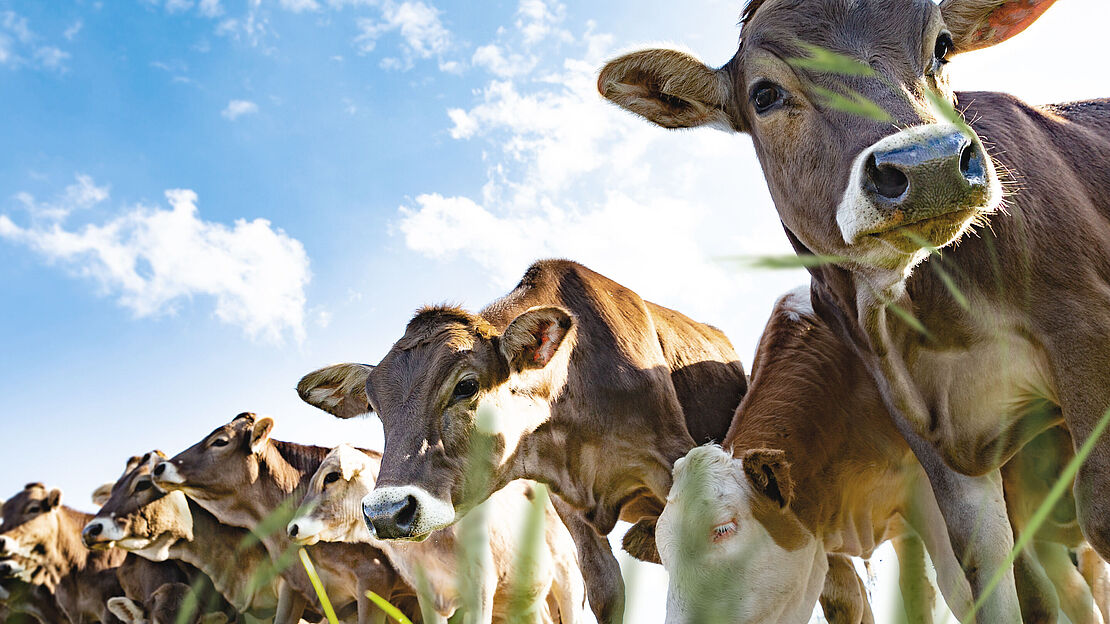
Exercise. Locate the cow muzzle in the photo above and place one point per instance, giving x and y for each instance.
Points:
(8, 546)
(405, 513)
(9, 568)
(304, 530)
(166, 476)
(100, 534)
(924, 183)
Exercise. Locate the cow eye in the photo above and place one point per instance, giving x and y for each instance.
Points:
(33, 508)
(764, 96)
(465, 389)
(219, 442)
(142, 485)
(943, 48)
(331, 477)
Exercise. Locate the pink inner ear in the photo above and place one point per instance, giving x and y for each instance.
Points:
(546, 349)
(1012, 18)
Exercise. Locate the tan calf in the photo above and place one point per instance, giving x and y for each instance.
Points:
(160, 526)
(332, 511)
(245, 478)
(82, 580)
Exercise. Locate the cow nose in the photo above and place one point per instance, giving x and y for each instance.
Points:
(91, 532)
(294, 530)
(5, 546)
(160, 469)
(392, 519)
(6, 569)
(931, 165)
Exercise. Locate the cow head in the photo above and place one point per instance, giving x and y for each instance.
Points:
(138, 516)
(872, 188)
(332, 508)
(733, 548)
(221, 464)
(456, 399)
(31, 523)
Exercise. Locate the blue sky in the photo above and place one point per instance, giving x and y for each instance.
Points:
(202, 200)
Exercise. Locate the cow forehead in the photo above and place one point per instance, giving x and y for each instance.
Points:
(815, 17)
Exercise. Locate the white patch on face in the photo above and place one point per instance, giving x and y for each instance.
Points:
(305, 530)
(432, 513)
(109, 530)
(857, 216)
(169, 476)
(512, 416)
(722, 564)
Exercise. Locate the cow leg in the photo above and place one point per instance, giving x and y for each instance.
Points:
(974, 512)
(600, 570)
(1097, 575)
(368, 612)
(843, 598)
(918, 596)
(1039, 602)
(1072, 589)
(290, 606)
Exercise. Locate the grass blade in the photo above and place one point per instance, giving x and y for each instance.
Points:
(851, 102)
(521, 604)
(389, 609)
(1041, 514)
(325, 603)
(829, 62)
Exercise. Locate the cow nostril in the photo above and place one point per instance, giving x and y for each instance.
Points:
(407, 513)
(94, 530)
(294, 530)
(971, 163)
(159, 469)
(886, 180)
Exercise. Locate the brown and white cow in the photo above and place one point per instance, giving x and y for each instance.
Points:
(164, 607)
(161, 527)
(977, 347)
(595, 392)
(813, 466)
(36, 522)
(332, 512)
(245, 478)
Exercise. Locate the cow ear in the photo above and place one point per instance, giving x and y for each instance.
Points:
(668, 88)
(976, 24)
(339, 390)
(100, 495)
(351, 461)
(126, 610)
(533, 338)
(53, 500)
(260, 434)
(639, 541)
(769, 473)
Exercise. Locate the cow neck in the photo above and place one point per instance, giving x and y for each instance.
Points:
(810, 397)
(220, 552)
(69, 554)
(285, 469)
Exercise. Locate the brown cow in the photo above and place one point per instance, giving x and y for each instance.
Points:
(158, 530)
(332, 512)
(164, 607)
(813, 437)
(813, 467)
(1025, 298)
(594, 392)
(82, 581)
(245, 478)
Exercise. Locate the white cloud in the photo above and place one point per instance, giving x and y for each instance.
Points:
(210, 8)
(537, 19)
(72, 31)
(237, 108)
(153, 259)
(492, 58)
(571, 175)
(178, 6)
(20, 47)
(422, 33)
(299, 6)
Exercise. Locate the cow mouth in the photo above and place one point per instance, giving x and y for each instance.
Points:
(936, 231)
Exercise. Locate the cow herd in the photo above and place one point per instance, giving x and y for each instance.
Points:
(943, 382)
